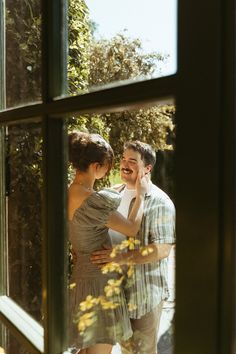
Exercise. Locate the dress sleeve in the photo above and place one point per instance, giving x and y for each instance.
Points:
(98, 207)
(162, 221)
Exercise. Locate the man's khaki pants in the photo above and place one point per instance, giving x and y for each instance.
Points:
(145, 333)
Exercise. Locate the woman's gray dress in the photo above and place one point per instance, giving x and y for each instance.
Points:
(88, 233)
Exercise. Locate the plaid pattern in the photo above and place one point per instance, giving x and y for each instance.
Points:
(150, 285)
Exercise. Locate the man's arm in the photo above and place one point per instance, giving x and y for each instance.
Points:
(162, 237)
(151, 253)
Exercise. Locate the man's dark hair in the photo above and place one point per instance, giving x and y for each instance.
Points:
(148, 154)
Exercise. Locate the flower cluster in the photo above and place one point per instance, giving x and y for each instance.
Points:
(145, 250)
(131, 307)
(89, 303)
(130, 270)
(129, 244)
(111, 267)
(72, 286)
(86, 321)
(107, 305)
(113, 287)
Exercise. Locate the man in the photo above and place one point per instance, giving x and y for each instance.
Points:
(157, 234)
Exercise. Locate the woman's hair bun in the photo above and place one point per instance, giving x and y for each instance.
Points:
(85, 148)
(77, 142)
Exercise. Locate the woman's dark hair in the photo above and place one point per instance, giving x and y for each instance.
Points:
(85, 149)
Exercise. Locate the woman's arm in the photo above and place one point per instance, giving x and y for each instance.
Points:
(130, 226)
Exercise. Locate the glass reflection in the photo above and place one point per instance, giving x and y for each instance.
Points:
(91, 306)
(111, 42)
(24, 224)
(23, 52)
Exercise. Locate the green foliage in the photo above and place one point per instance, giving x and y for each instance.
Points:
(120, 59)
(23, 41)
(152, 125)
(79, 41)
(116, 60)
(23, 38)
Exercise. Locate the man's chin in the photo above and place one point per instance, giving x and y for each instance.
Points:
(123, 179)
(126, 177)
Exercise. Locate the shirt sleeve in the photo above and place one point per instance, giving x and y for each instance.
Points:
(162, 222)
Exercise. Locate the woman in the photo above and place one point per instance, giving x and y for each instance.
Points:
(90, 215)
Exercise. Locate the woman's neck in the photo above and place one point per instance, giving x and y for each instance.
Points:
(84, 179)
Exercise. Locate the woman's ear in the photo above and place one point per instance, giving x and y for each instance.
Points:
(94, 167)
(97, 165)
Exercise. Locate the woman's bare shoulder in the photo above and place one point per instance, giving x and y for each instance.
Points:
(75, 191)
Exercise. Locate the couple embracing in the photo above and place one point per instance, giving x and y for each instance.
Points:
(117, 307)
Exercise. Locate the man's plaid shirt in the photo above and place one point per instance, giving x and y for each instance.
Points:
(150, 285)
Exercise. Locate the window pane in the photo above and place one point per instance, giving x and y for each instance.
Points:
(24, 211)
(23, 52)
(111, 42)
(9, 344)
(154, 125)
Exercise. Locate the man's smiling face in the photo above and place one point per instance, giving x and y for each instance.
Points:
(130, 164)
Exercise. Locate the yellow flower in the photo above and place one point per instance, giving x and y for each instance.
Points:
(85, 321)
(113, 252)
(71, 286)
(130, 271)
(88, 303)
(131, 307)
(113, 287)
(112, 267)
(146, 250)
(129, 243)
(106, 305)
(124, 244)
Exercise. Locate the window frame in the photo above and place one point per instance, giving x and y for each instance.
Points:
(202, 81)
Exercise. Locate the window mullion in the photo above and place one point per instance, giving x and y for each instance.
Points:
(3, 261)
(2, 53)
(54, 49)
(55, 244)
(54, 64)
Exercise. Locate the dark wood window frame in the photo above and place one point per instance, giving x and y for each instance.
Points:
(204, 90)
